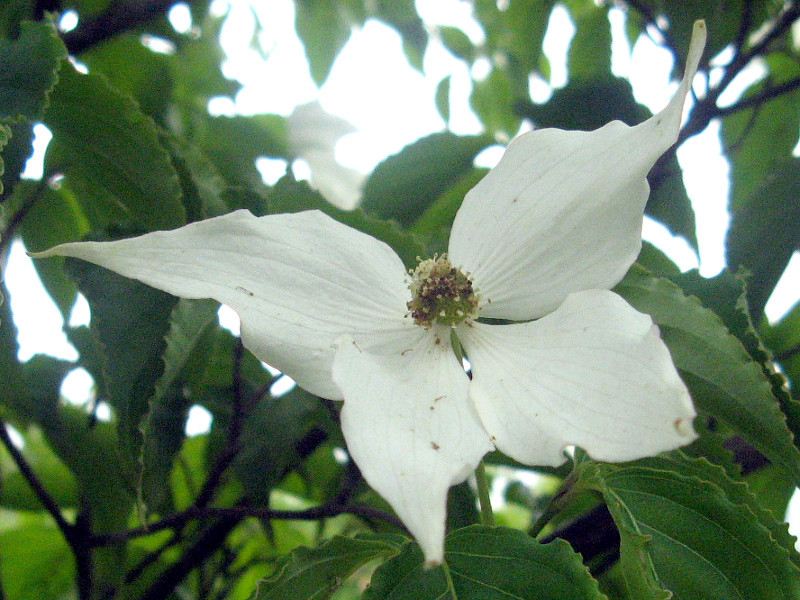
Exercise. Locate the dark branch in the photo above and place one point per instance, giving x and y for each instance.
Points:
(240, 512)
(120, 17)
(38, 487)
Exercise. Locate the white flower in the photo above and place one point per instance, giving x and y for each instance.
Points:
(540, 241)
(313, 134)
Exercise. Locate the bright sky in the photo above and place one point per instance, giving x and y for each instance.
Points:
(391, 105)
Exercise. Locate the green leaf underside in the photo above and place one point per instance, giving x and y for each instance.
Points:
(723, 379)
(111, 150)
(694, 534)
(487, 563)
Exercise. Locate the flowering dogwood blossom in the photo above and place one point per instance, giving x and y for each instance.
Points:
(539, 242)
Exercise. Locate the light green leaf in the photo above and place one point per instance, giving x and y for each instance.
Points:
(490, 563)
(763, 234)
(725, 382)
(110, 151)
(37, 563)
(324, 28)
(315, 573)
(28, 71)
(590, 51)
(404, 185)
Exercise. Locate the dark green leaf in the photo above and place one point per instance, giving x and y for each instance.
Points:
(260, 135)
(315, 573)
(28, 71)
(15, 154)
(289, 195)
(111, 150)
(694, 533)
(490, 564)
(404, 185)
(402, 15)
(270, 441)
(723, 379)
(130, 321)
(443, 98)
(164, 425)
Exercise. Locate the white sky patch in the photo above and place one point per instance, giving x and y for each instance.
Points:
(36, 316)
(198, 421)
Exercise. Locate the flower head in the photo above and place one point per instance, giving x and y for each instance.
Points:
(539, 241)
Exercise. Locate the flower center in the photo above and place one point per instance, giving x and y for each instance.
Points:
(441, 293)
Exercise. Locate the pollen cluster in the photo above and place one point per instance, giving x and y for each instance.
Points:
(441, 293)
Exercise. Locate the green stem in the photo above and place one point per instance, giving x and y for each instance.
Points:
(450, 587)
(556, 505)
(487, 516)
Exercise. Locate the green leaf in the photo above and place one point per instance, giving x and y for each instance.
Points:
(315, 573)
(694, 533)
(130, 321)
(494, 101)
(28, 71)
(402, 15)
(324, 28)
(404, 185)
(723, 379)
(289, 195)
(443, 98)
(5, 136)
(17, 494)
(163, 427)
(259, 135)
(53, 217)
(111, 152)
(271, 435)
(758, 140)
(726, 295)
(37, 563)
(763, 234)
(134, 70)
(16, 148)
(490, 563)
(589, 54)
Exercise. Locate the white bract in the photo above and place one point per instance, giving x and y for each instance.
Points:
(539, 241)
(313, 134)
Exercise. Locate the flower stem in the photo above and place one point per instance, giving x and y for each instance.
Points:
(487, 516)
(450, 587)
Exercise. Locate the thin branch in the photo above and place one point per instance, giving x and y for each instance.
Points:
(177, 520)
(7, 235)
(762, 97)
(38, 488)
(784, 22)
(788, 353)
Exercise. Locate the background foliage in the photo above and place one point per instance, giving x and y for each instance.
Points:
(260, 507)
